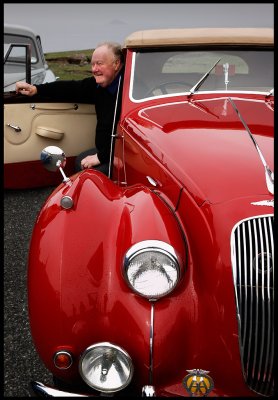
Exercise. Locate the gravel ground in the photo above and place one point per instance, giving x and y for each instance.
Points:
(21, 362)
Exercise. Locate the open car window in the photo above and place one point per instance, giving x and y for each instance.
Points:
(160, 73)
(17, 54)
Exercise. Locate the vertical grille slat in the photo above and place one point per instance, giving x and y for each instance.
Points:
(252, 249)
(255, 336)
(245, 286)
(250, 284)
(261, 349)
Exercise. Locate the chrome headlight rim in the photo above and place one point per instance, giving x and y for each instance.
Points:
(148, 246)
(109, 346)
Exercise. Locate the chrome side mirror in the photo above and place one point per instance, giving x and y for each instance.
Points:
(54, 158)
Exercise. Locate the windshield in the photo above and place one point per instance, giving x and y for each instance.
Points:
(162, 73)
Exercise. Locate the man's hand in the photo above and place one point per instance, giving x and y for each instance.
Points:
(25, 88)
(90, 161)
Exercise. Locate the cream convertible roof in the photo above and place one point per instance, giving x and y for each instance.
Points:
(200, 36)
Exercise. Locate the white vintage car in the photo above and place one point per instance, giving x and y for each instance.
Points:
(16, 41)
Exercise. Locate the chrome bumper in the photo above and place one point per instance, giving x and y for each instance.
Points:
(41, 390)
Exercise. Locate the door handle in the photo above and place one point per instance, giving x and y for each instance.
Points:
(50, 133)
(16, 128)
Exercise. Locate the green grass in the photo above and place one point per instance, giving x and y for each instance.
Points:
(58, 63)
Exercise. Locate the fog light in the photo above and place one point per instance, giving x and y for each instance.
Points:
(62, 359)
(106, 367)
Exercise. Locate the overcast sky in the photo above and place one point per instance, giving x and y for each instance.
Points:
(82, 26)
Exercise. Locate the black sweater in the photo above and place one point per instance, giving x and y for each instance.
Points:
(87, 91)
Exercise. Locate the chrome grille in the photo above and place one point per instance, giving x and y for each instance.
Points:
(253, 271)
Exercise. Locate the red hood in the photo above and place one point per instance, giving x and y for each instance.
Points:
(206, 147)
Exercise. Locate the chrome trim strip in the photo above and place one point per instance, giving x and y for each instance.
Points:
(149, 245)
(41, 390)
(113, 129)
(201, 92)
(183, 94)
(151, 343)
(132, 78)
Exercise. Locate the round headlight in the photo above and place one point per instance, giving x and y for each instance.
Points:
(106, 367)
(152, 268)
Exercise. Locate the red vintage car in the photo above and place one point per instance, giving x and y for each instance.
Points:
(158, 279)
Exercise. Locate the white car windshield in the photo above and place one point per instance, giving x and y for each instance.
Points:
(164, 73)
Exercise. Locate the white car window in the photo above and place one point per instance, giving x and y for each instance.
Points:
(17, 54)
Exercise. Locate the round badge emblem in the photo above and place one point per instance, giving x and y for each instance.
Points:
(198, 383)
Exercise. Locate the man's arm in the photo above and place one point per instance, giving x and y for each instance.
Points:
(78, 91)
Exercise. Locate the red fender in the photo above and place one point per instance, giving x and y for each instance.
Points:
(77, 292)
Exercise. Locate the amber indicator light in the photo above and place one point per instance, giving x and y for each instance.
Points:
(63, 360)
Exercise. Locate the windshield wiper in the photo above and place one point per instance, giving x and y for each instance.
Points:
(198, 84)
(269, 175)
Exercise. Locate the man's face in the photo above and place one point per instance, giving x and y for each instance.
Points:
(104, 66)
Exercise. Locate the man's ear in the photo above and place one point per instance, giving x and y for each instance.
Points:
(117, 64)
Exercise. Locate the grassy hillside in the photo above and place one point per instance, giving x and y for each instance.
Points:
(70, 64)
